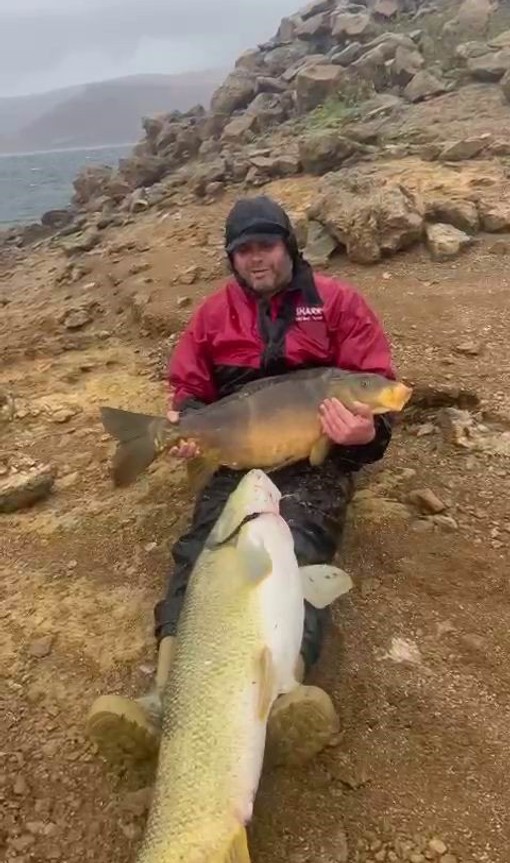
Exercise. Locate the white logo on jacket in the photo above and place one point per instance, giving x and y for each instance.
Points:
(309, 313)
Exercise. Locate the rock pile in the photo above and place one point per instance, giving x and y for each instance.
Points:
(330, 50)
(318, 97)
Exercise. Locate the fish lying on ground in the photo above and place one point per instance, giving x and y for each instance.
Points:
(238, 644)
(269, 423)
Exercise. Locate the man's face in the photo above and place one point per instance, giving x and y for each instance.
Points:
(266, 267)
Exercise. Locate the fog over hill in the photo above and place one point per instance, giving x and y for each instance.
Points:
(107, 112)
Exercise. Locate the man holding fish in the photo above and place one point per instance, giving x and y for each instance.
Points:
(323, 414)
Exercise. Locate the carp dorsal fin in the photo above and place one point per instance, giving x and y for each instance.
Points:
(320, 450)
(267, 675)
(323, 583)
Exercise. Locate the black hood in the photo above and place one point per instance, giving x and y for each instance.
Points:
(259, 218)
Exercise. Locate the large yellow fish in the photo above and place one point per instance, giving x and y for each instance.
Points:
(267, 424)
(238, 645)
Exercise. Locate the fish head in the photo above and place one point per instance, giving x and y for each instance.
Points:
(255, 494)
(379, 393)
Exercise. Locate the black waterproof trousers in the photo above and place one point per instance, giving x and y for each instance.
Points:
(314, 504)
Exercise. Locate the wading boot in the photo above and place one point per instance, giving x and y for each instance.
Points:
(301, 724)
(127, 731)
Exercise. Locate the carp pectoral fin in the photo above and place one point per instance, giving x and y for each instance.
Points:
(320, 451)
(322, 584)
(237, 851)
(200, 471)
(266, 673)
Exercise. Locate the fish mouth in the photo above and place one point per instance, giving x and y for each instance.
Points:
(396, 397)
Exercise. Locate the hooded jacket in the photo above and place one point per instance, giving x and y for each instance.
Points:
(235, 336)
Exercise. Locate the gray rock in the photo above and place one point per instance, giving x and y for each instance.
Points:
(235, 93)
(320, 245)
(424, 85)
(315, 83)
(82, 243)
(468, 148)
(324, 151)
(22, 489)
(405, 65)
(369, 219)
(494, 215)
(314, 27)
(446, 242)
(489, 67)
(347, 55)
(459, 213)
(349, 25)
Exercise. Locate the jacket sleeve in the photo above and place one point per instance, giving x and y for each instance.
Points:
(361, 345)
(190, 375)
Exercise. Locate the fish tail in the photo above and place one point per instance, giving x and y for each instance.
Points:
(138, 441)
(237, 850)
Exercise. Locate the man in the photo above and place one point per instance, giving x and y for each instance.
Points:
(272, 316)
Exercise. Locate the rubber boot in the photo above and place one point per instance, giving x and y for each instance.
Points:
(127, 731)
(301, 724)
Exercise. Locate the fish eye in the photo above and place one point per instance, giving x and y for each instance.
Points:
(364, 383)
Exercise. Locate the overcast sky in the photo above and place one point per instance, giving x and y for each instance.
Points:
(45, 44)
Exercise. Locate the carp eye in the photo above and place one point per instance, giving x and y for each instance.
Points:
(364, 383)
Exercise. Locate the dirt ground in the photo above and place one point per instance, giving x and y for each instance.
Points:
(418, 658)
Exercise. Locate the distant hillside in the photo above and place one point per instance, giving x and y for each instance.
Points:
(108, 112)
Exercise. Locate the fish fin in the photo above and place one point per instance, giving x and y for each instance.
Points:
(258, 562)
(320, 451)
(323, 583)
(131, 459)
(139, 442)
(286, 463)
(237, 852)
(267, 683)
(200, 470)
(126, 425)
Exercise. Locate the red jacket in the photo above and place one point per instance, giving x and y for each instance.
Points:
(225, 345)
(223, 335)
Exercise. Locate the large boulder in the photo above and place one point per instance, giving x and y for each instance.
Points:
(351, 25)
(316, 7)
(91, 182)
(314, 84)
(472, 18)
(424, 85)
(370, 220)
(251, 60)
(268, 109)
(385, 9)
(235, 93)
(239, 129)
(460, 213)
(490, 66)
(446, 242)
(137, 171)
(278, 60)
(406, 65)
(466, 148)
(324, 151)
(313, 28)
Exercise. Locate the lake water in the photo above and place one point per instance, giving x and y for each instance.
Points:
(32, 183)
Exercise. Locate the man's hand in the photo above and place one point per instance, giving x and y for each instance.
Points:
(347, 427)
(184, 450)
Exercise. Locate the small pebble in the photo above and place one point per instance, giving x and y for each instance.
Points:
(437, 846)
